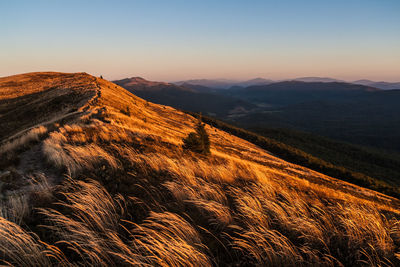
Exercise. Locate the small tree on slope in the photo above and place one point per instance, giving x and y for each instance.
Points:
(198, 141)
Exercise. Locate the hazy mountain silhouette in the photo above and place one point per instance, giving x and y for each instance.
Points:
(290, 92)
(185, 98)
(317, 79)
(225, 84)
(381, 85)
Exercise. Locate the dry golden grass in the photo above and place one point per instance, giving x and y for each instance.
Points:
(94, 215)
(154, 204)
(92, 231)
(35, 82)
(15, 208)
(32, 135)
(74, 148)
(20, 248)
(42, 98)
(166, 239)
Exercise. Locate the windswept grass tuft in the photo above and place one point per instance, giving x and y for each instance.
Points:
(20, 248)
(75, 158)
(166, 239)
(24, 140)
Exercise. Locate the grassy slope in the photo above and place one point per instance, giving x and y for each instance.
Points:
(372, 162)
(362, 166)
(34, 98)
(161, 205)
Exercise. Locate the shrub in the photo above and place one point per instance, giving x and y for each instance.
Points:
(126, 111)
(198, 141)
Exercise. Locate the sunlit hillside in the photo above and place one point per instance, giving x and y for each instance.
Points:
(93, 175)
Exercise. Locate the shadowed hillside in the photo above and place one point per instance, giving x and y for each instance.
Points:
(36, 98)
(101, 179)
(370, 119)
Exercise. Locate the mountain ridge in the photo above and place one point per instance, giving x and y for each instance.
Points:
(185, 97)
(310, 86)
(227, 84)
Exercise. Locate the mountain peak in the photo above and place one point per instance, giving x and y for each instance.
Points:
(381, 85)
(140, 81)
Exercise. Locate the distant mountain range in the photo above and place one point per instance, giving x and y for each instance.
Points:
(194, 98)
(223, 83)
(344, 111)
(380, 85)
(292, 92)
(316, 79)
(209, 84)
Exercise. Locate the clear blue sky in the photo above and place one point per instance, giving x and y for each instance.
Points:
(173, 40)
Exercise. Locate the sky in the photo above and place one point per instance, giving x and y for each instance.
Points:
(170, 40)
